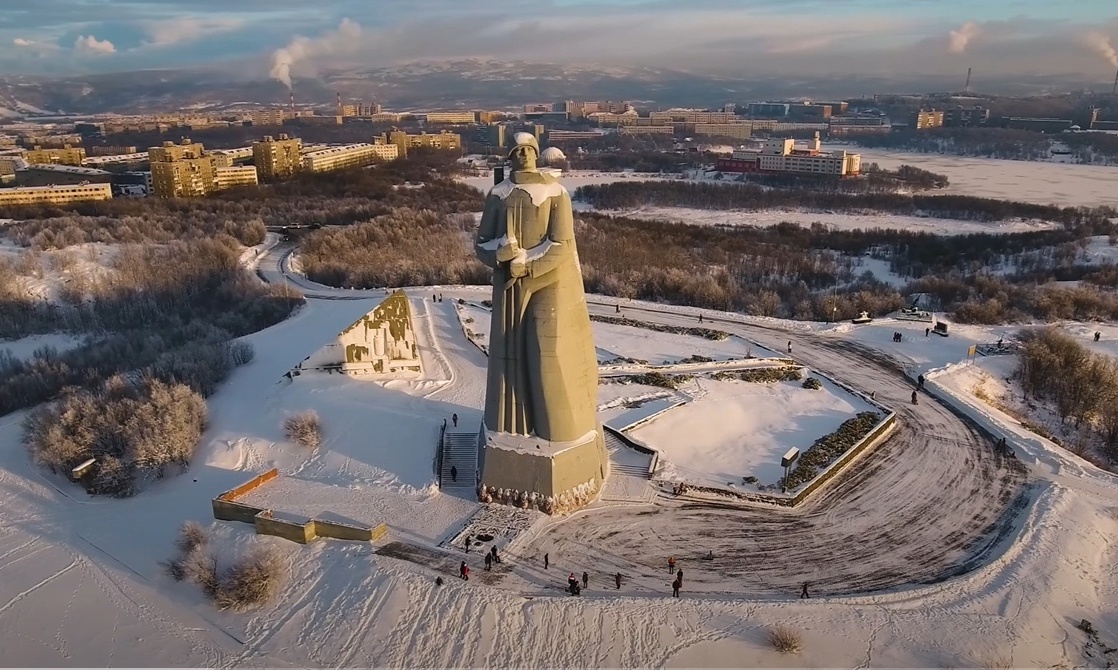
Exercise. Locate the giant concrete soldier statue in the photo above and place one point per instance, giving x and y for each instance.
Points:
(543, 371)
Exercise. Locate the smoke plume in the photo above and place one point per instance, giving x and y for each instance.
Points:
(303, 48)
(1100, 44)
(962, 37)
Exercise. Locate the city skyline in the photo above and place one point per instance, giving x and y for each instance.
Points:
(284, 39)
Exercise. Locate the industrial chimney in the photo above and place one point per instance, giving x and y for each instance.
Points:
(293, 103)
(966, 87)
(1114, 91)
(340, 104)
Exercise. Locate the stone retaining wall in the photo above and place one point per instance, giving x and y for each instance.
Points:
(225, 508)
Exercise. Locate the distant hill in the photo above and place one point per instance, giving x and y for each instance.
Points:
(483, 83)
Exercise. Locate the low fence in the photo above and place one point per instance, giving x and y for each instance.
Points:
(265, 521)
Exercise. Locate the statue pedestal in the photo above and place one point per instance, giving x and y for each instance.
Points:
(554, 477)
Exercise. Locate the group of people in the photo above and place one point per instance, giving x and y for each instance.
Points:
(492, 556)
(436, 297)
(897, 337)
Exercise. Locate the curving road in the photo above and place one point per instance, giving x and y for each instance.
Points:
(928, 504)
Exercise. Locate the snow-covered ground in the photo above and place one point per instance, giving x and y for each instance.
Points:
(1027, 181)
(772, 217)
(933, 551)
(25, 347)
(49, 272)
(736, 429)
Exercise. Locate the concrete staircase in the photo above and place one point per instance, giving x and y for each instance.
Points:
(628, 473)
(459, 451)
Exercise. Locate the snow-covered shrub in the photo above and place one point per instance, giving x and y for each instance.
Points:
(813, 384)
(131, 427)
(761, 376)
(191, 535)
(241, 352)
(192, 561)
(252, 581)
(829, 448)
(785, 640)
(304, 428)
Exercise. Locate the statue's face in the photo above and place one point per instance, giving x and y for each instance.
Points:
(523, 157)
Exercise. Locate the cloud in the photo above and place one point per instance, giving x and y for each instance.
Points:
(962, 37)
(93, 46)
(1101, 45)
(345, 38)
(20, 42)
(168, 32)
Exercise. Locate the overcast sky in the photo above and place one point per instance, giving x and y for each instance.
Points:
(738, 37)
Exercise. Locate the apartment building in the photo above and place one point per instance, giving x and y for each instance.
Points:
(269, 117)
(67, 155)
(926, 119)
(54, 195)
(359, 109)
(740, 131)
(350, 155)
(443, 140)
(782, 155)
(277, 158)
(690, 116)
(112, 151)
(170, 151)
(229, 177)
(965, 117)
(449, 117)
(7, 171)
(852, 125)
(181, 170)
(58, 175)
(647, 130)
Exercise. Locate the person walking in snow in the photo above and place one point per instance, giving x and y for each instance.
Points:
(493, 550)
(679, 576)
(464, 571)
(789, 346)
(927, 332)
(467, 544)
(700, 318)
(617, 579)
(920, 381)
(454, 418)
(488, 562)
(1097, 335)
(438, 581)
(803, 592)
(585, 579)
(675, 588)
(671, 564)
(545, 561)
(453, 473)
(914, 398)
(572, 583)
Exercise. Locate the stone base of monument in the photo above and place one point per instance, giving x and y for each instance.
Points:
(529, 472)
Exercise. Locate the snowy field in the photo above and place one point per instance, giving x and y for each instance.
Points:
(736, 429)
(51, 272)
(772, 217)
(1043, 183)
(933, 552)
(25, 347)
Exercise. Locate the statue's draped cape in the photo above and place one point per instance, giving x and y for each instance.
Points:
(543, 371)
